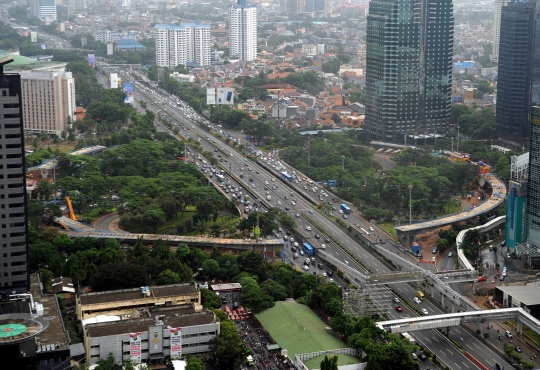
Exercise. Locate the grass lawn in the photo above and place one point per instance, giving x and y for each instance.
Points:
(315, 362)
(298, 329)
(175, 221)
(63, 148)
(388, 226)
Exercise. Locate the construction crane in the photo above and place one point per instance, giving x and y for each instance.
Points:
(70, 206)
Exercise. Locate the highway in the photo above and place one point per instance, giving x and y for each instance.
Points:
(433, 340)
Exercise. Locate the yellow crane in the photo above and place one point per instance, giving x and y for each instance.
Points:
(70, 207)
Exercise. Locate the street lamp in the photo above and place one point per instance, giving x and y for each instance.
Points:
(410, 204)
(343, 162)
(457, 150)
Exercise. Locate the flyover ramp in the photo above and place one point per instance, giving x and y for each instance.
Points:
(407, 233)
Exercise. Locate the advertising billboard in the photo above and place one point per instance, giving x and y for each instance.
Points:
(225, 95)
(33, 36)
(114, 80)
(155, 339)
(210, 96)
(176, 343)
(135, 346)
(109, 49)
(129, 89)
(43, 46)
(92, 60)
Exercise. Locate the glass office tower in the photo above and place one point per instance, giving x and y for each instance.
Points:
(409, 68)
(518, 84)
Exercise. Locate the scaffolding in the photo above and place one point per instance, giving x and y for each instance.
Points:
(368, 301)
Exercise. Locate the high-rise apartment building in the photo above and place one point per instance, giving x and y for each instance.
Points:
(45, 10)
(497, 29)
(243, 31)
(409, 68)
(14, 276)
(518, 82)
(48, 101)
(186, 44)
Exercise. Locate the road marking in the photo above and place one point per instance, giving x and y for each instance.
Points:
(466, 365)
(474, 344)
(457, 366)
(429, 340)
(448, 349)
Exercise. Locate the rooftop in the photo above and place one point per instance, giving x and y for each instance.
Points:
(55, 332)
(133, 294)
(528, 295)
(136, 325)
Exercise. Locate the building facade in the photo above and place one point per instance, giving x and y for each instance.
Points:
(516, 214)
(497, 28)
(48, 101)
(533, 198)
(186, 44)
(243, 31)
(14, 275)
(106, 36)
(518, 85)
(44, 10)
(408, 68)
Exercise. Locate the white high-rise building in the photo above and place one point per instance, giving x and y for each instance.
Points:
(188, 43)
(45, 10)
(243, 31)
(48, 100)
(497, 28)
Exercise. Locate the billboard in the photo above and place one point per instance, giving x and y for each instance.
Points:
(43, 46)
(33, 36)
(176, 343)
(469, 64)
(210, 96)
(92, 60)
(114, 80)
(109, 49)
(225, 95)
(135, 346)
(129, 89)
(155, 339)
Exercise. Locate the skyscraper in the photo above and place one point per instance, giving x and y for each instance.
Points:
(409, 68)
(188, 43)
(518, 85)
(243, 31)
(533, 197)
(45, 10)
(497, 28)
(14, 275)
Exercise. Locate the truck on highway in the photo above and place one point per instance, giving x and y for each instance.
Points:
(420, 295)
(409, 337)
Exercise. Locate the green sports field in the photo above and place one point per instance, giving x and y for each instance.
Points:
(286, 322)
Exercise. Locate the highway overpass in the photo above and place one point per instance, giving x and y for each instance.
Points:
(407, 233)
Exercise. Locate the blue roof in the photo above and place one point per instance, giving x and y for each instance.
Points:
(130, 44)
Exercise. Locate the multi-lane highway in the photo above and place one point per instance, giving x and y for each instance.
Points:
(281, 197)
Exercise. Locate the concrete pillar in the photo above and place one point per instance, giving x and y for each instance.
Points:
(519, 327)
(442, 299)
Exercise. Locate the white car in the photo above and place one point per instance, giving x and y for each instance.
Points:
(330, 280)
(306, 267)
(417, 300)
(424, 311)
(340, 211)
(308, 228)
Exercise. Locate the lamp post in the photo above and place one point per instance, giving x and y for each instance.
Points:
(410, 204)
(452, 144)
(457, 150)
(309, 151)
(343, 162)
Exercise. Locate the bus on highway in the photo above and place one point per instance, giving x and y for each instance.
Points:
(409, 337)
(346, 209)
(308, 248)
(221, 177)
(286, 176)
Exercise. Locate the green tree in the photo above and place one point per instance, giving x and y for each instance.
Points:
(210, 299)
(226, 348)
(195, 363)
(329, 363)
(123, 275)
(45, 189)
(167, 277)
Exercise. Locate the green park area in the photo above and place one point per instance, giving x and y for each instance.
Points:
(315, 362)
(297, 328)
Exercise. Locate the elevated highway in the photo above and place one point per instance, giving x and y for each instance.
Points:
(128, 239)
(407, 233)
(410, 324)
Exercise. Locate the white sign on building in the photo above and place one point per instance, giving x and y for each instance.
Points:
(135, 346)
(176, 343)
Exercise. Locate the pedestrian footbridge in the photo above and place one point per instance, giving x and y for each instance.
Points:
(517, 314)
